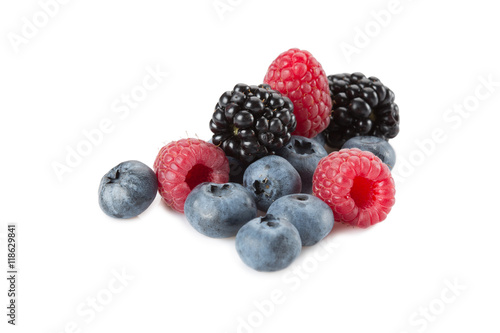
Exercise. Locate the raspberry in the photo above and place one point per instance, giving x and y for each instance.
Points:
(251, 122)
(183, 164)
(356, 185)
(360, 106)
(299, 76)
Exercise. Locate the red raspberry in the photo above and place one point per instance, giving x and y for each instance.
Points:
(356, 185)
(299, 76)
(183, 164)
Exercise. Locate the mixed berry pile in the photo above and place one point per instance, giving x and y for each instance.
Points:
(265, 175)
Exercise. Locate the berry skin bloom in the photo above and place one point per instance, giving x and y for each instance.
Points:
(357, 185)
(181, 165)
(299, 76)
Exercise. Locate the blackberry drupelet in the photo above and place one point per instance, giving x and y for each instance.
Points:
(360, 106)
(251, 122)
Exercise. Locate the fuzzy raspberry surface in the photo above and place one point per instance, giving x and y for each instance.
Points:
(299, 76)
(181, 165)
(356, 185)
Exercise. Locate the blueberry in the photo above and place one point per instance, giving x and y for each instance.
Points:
(304, 155)
(268, 243)
(219, 210)
(320, 138)
(127, 190)
(312, 217)
(270, 178)
(378, 146)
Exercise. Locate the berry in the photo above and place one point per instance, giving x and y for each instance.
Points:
(250, 122)
(268, 243)
(304, 155)
(270, 178)
(360, 106)
(299, 76)
(236, 170)
(181, 165)
(219, 210)
(127, 190)
(320, 138)
(310, 215)
(379, 147)
(356, 185)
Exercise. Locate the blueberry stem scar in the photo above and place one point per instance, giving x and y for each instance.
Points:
(269, 220)
(112, 180)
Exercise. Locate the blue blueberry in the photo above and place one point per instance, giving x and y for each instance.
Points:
(268, 243)
(310, 215)
(320, 138)
(127, 190)
(304, 155)
(378, 146)
(219, 210)
(270, 178)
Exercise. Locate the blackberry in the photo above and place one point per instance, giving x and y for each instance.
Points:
(251, 122)
(360, 106)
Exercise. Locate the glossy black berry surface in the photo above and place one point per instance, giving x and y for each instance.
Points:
(360, 106)
(250, 122)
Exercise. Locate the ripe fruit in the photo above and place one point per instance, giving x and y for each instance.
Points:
(320, 138)
(181, 165)
(219, 210)
(127, 190)
(356, 185)
(299, 76)
(310, 215)
(379, 147)
(268, 243)
(270, 178)
(304, 155)
(360, 106)
(250, 122)
(236, 170)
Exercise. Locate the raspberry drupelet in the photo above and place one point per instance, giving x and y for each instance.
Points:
(299, 76)
(181, 165)
(357, 185)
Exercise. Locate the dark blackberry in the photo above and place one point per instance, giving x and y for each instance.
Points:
(360, 106)
(250, 122)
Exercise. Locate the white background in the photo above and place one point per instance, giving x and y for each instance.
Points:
(70, 75)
